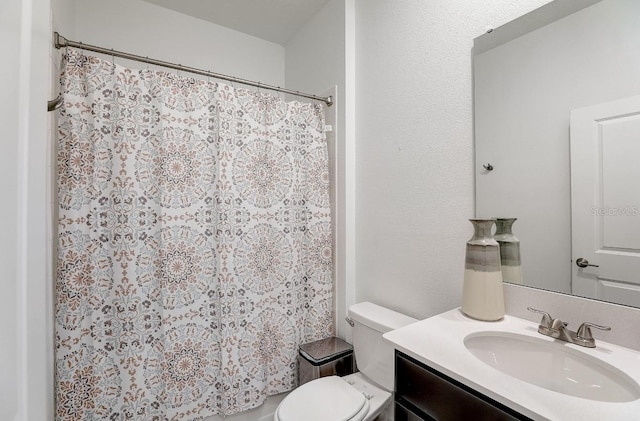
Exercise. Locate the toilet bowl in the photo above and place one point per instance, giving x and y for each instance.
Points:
(361, 396)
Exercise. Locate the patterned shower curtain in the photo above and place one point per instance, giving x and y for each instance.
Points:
(194, 244)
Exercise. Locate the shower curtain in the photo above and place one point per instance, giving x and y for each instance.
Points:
(194, 243)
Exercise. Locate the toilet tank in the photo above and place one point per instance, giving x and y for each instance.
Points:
(374, 355)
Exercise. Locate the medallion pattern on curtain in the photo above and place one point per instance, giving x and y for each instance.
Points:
(194, 243)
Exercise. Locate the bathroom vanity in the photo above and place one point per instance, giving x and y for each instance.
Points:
(451, 367)
(423, 393)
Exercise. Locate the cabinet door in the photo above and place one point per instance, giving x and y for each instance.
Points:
(434, 396)
(404, 414)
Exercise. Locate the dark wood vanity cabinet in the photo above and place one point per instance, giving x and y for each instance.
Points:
(423, 393)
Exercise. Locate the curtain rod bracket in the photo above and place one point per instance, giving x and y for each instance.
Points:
(54, 104)
(59, 41)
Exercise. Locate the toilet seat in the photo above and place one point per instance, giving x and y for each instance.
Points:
(326, 398)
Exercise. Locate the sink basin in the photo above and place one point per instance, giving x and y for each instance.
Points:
(552, 366)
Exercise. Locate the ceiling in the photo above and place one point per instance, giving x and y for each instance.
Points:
(273, 20)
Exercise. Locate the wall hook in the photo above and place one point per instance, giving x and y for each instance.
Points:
(488, 167)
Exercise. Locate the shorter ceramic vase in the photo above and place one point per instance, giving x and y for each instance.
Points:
(510, 260)
(482, 293)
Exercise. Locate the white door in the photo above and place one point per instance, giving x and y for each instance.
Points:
(605, 201)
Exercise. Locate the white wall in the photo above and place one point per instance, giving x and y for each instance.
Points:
(63, 16)
(10, 14)
(25, 318)
(525, 90)
(414, 154)
(145, 29)
(315, 60)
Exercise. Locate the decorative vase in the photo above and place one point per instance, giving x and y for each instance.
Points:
(510, 260)
(482, 293)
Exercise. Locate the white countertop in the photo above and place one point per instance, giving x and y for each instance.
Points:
(439, 343)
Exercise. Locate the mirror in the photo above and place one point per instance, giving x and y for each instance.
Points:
(530, 75)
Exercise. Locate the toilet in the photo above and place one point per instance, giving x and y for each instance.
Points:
(361, 396)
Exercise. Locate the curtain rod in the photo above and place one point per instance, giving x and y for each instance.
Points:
(60, 42)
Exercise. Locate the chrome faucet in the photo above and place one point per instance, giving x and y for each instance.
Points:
(557, 329)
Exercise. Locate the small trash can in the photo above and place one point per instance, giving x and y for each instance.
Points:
(326, 357)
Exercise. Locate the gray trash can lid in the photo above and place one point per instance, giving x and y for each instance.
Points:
(325, 350)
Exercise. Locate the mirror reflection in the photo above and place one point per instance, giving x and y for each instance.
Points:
(557, 118)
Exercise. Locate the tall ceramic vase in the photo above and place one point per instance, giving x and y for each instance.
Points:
(509, 251)
(482, 294)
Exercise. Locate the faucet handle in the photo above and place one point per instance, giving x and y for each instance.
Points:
(546, 317)
(545, 323)
(584, 331)
(584, 337)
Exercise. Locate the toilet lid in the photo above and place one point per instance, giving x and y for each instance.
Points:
(324, 399)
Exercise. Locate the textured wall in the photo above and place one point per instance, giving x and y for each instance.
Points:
(415, 146)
